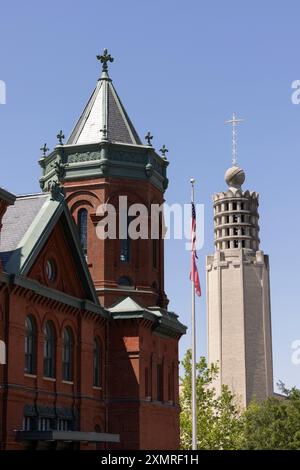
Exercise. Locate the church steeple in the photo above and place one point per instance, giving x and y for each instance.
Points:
(104, 117)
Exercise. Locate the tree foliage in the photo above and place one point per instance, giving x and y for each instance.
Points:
(272, 424)
(218, 423)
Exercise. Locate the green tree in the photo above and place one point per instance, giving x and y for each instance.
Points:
(273, 423)
(218, 417)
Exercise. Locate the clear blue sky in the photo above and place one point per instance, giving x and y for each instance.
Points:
(181, 69)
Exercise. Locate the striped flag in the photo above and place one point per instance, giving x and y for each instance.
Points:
(194, 275)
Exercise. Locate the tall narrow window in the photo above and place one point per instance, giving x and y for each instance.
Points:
(49, 350)
(147, 388)
(155, 253)
(160, 382)
(67, 355)
(125, 243)
(97, 363)
(171, 384)
(82, 227)
(30, 346)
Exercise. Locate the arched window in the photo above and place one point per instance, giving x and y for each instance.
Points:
(30, 345)
(97, 363)
(82, 227)
(67, 355)
(125, 243)
(124, 281)
(49, 350)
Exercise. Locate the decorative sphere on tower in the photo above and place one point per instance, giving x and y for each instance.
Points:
(235, 177)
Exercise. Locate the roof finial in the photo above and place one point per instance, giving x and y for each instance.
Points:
(234, 121)
(163, 151)
(44, 149)
(60, 136)
(149, 137)
(104, 59)
(103, 133)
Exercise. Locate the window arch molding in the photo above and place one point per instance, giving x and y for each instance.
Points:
(82, 199)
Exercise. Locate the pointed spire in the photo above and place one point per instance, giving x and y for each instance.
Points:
(104, 117)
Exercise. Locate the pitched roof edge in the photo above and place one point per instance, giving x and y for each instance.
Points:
(7, 196)
(53, 294)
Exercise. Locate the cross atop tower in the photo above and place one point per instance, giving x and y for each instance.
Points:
(234, 121)
(104, 59)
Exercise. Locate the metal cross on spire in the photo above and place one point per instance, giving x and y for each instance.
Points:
(104, 59)
(234, 121)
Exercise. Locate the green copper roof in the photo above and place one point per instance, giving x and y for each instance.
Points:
(126, 305)
(164, 323)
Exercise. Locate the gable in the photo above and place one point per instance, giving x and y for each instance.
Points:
(40, 228)
(59, 254)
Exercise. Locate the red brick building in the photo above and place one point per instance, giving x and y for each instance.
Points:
(91, 349)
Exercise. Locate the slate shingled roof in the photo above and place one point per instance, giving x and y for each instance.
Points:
(16, 222)
(104, 110)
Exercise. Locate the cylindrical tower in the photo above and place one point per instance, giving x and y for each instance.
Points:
(236, 215)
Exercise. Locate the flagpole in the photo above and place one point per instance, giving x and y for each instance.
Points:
(194, 410)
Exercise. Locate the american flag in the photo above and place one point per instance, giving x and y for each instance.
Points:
(194, 275)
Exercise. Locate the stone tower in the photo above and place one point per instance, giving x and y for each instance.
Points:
(238, 294)
(104, 159)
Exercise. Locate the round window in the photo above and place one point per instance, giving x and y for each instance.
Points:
(50, 270)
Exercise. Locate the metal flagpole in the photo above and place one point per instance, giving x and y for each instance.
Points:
(194, 410)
